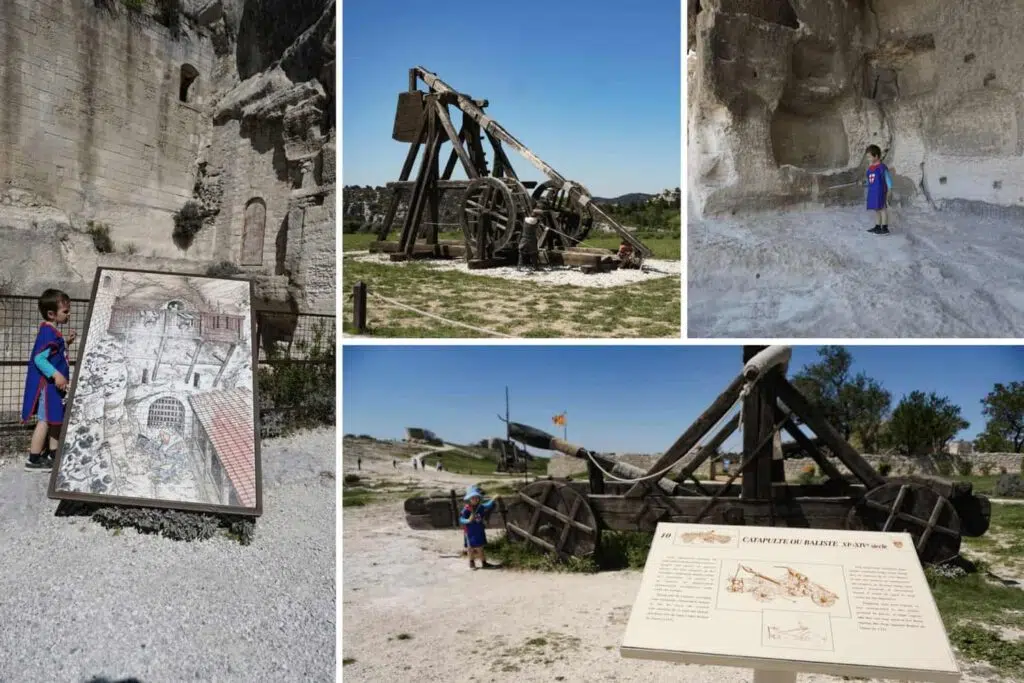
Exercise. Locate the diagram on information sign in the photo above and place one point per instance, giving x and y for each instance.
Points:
(781, 583)
(796, 630)
(709, 537)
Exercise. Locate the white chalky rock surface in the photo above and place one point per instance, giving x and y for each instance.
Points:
(819, 273)
(79, 601)
(654, 269)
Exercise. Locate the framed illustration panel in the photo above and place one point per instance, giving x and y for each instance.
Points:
(162, 410)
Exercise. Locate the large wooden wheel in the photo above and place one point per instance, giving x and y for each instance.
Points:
(929, 518)
(497, 204)
(554, 517)
(572, 221)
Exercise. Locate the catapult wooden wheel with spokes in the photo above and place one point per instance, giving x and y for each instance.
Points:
(491, 211)
(555, 518)
(571, 221)
(911, 506)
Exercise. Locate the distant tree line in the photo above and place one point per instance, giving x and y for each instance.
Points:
(653, 215)
(860, 408)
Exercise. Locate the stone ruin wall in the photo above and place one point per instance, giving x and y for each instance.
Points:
(93, 128)
(92, 123)
(565, 466)
(784, 95)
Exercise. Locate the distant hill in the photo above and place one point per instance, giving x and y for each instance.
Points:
(626, 199)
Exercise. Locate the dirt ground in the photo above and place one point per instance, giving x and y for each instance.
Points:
(820, 274)
(413, 610)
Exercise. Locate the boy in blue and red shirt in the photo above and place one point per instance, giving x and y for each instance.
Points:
(46, 380)
(879, 183)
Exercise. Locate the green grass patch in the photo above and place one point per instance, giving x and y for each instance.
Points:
(971, 606)
(649, 309)
(618, 550)
(1004, 542)
(355, 499)
(347, 661)
(985, 485)
(481, 462)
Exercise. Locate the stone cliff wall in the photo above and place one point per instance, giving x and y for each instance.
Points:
(784, 95)
(225, 103)
(93, 120)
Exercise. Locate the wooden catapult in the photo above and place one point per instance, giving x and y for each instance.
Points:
(494, 202)
(566, 517)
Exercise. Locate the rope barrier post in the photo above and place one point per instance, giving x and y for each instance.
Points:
(359, 307)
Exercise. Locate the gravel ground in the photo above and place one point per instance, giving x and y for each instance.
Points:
(654, 269)
(820, 274)
(465, 626)
(79, 601)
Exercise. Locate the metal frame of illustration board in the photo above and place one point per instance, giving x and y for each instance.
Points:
(52, 491)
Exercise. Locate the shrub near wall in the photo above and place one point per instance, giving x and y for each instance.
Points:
(298, 394)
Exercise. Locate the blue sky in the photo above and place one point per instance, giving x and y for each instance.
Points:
(591, 87)
(619, 399)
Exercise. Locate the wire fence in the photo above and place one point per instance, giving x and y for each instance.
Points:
(296, 351)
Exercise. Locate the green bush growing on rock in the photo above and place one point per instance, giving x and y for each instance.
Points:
(223, 269)
(134, 4)
(188, 221)
(100, 235)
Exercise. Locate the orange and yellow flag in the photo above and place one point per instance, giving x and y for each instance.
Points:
(559, 419)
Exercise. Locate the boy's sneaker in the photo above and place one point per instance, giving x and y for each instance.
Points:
(38, 463)
(876, 230)
(884, 230)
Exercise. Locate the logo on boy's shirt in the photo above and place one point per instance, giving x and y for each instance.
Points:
(871, 177)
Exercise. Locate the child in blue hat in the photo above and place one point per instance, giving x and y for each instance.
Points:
(472, 521)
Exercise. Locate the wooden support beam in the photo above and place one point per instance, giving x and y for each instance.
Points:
(195, 359)
(417, 201)
(455, 139)
(224, 363)
(758, 414)
(462, 185)
(359, 307)
(813, 418)
(453, 156)
(710, 448)
(826, 466)
(500, 158)
(743, 467)
(708, 419)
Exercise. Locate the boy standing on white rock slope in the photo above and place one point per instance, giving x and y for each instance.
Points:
(879, 183)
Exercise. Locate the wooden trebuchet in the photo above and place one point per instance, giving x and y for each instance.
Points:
(494, 202)
(566, 517)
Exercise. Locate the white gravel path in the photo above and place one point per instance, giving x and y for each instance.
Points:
(654, 269)
(79, 601)
(820, 274)
(467, 626)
